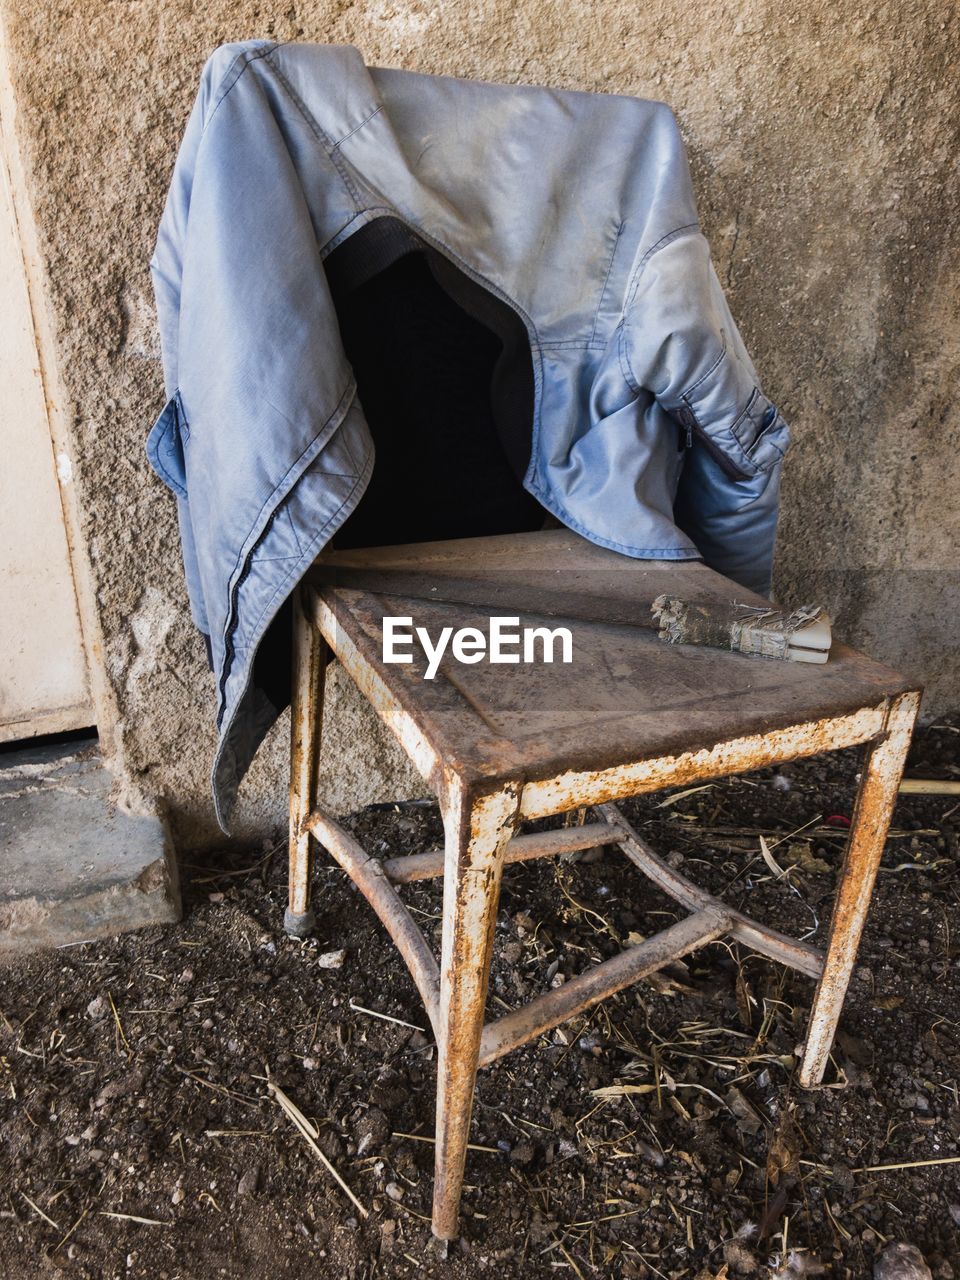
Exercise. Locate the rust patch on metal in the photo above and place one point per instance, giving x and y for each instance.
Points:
(872, 812)
(477, 829)
(739, 755)
(759, 937)
(541, 844)
(404, 726)
(306, 721)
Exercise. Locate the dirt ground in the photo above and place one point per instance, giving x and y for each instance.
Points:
(662, 1135)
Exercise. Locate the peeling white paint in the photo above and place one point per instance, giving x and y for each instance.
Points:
(404, 23)
(150, 624)
(142, 333)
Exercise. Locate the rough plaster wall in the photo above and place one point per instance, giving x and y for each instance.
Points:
(823, 140)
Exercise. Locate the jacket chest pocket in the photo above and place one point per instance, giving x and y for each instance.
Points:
(165, 445)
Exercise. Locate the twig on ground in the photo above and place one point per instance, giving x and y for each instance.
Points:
(36, 1208)
(359, 1008)
(70, 1232)
(471, 1146)
(217, 1088)
(310, 1133)
(236, 1133)
(132, 1217)
(906, 1164)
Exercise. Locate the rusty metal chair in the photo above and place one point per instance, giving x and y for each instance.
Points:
(501, 744)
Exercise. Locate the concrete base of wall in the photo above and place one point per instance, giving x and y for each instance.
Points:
(74, 867)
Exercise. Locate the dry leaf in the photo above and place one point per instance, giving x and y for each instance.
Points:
(783, 1153)
(770, 860)
(621, 1090)
(691, 791)
(888, 1002)
(747, 1116)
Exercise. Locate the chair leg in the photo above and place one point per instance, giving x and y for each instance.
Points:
(306, 720)
(873, 810)
(575, 818)
(477, 829)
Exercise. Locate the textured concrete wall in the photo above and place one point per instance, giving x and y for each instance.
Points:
(823, 139)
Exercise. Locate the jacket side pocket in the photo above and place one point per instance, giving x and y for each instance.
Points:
(753, 443)
(165, 446)
(761, 432)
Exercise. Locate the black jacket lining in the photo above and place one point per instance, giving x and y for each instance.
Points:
(445, 380)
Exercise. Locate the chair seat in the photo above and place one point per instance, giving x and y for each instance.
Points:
(626, 697)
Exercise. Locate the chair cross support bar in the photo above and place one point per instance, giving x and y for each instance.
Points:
(602, 980)
(710, 919)
(769, 942)
(541, 844)
(367, 874)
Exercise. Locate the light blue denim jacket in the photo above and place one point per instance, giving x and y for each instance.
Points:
(575, 209)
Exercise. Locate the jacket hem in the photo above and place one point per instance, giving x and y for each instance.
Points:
(637, 553)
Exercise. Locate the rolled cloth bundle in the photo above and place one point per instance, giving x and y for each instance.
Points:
(801, 636)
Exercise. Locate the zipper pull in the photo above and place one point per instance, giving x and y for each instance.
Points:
(687, 420)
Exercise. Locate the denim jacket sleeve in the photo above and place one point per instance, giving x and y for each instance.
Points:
(681, 344)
